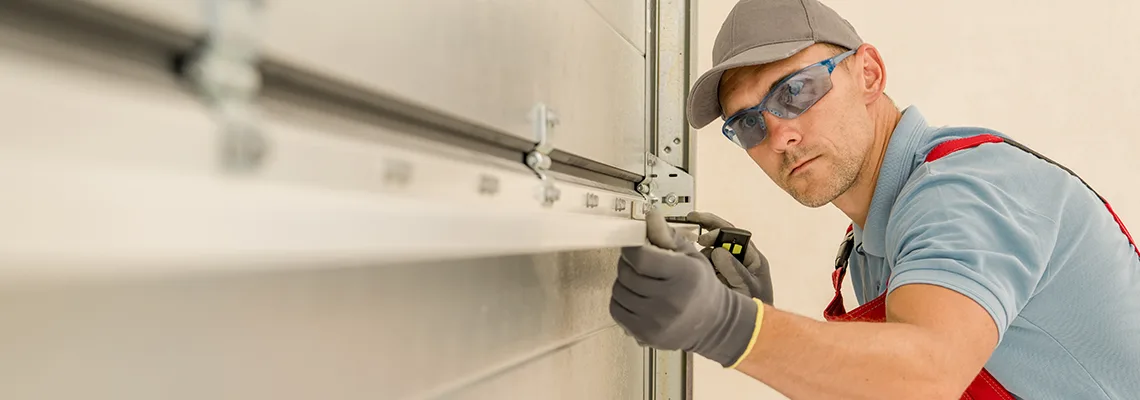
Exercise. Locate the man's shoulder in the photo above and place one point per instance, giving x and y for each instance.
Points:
(993, 176)
(944, 135)
(999, 166)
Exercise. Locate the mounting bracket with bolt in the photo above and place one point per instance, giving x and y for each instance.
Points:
(543, 120)
(666, 187)
(223, 69)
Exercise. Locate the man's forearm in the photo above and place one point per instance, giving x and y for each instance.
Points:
(934, 343)
(805, 358)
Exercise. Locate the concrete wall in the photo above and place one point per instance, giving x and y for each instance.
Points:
(1058, 76)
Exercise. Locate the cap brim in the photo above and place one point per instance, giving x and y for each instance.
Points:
(704, 101)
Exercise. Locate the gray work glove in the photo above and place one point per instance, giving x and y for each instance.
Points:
(751, 278)
(667, 296)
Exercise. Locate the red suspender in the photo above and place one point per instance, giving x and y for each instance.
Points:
(944, 149)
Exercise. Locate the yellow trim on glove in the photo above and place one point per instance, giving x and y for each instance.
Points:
(755, 333)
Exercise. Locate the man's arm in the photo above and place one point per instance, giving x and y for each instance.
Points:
(934, 343)
(968, 256)
(944, 312)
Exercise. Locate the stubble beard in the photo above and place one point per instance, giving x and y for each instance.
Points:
(827, 188)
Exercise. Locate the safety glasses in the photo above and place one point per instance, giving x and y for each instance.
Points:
(789, 98)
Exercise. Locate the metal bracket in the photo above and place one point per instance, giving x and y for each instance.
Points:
(666, 187)
(543, 121)
(224, 71)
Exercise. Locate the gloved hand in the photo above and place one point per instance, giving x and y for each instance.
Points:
(667, 296)
(752, 273)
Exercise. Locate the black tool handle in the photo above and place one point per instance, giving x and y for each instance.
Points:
(735, 240)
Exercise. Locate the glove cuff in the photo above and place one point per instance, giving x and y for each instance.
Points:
(755, 333)
(733, 338)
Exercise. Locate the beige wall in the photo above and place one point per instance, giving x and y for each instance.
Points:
(1060, 77)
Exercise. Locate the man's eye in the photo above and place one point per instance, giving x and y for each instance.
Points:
(789, 91)
(750, 121)
(795, 87)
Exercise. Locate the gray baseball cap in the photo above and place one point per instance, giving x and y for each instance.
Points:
(762, 31)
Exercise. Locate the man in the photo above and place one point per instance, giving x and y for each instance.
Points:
(984, 270)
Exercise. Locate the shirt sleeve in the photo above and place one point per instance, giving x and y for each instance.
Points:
(965, 233)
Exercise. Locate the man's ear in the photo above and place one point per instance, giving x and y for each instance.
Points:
(872, 72)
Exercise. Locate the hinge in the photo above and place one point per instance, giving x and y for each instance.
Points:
(543, 121)
(666, 187)
(224, 71)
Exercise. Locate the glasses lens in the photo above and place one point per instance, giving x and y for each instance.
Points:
(790, 99)
(794, 96)
(747, 128)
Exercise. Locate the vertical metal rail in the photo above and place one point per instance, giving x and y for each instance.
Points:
(668, 184)
(670, 162)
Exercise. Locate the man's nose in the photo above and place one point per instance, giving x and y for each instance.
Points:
(782, 133)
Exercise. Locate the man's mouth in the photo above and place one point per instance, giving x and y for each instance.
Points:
(800, 167)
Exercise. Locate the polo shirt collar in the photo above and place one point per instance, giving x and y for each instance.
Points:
(900, 160)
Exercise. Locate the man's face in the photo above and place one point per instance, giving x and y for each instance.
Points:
(817, 156)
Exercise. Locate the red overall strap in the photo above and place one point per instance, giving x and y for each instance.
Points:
(944, 149)
(1122, 227)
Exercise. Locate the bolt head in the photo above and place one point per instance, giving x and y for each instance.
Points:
(643, 188)
(548, 194)
(488, 185)
(243, 147)
(537, 160)
(396, 172)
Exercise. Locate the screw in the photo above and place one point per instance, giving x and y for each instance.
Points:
(670, 199)
(488, 185)
(538, 161)
(552, 195)
(397, 172)
(244, 147)
(548, 194)
(643, 188)
(551, 118)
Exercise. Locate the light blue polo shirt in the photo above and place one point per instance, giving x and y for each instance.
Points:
(1023, 238)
